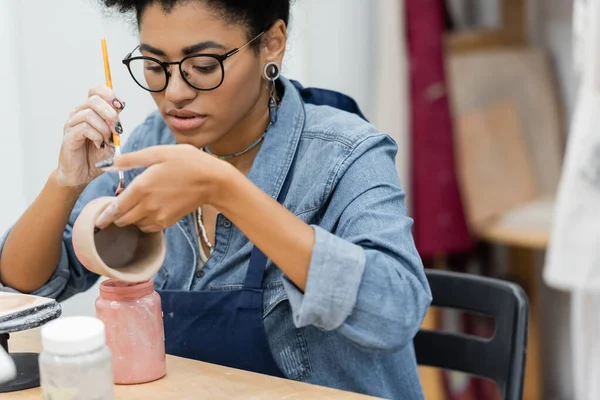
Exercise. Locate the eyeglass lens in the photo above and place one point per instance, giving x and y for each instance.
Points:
(201, 71)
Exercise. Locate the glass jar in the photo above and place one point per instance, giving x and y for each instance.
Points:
(132, 314)
(75, 362)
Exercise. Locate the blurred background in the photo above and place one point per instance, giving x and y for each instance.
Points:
(478, 94)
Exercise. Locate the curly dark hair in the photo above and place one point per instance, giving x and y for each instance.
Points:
(255, 15)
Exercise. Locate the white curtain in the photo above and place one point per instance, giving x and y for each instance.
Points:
(392, 100)
(573, 257)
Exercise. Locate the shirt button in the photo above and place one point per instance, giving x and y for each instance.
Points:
(227, 223)
(200, 274)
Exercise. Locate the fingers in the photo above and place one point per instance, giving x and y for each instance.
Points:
(99, 113)
(114, 214)
(103, 109)
(133, 197)
(89, 118)
(138, 216)
(106, 104)
(137, 159)
(136, 206)
(109, 215)
(125, 210)
(84, 131)
(149, 227)
(108, 95)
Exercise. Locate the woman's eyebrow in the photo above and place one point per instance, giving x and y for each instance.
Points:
(198, 47)
(153, 50)
(195, 48)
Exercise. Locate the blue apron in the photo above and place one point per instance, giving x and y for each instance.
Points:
(226, 327)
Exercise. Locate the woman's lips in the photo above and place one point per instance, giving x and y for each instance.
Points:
(186, 123)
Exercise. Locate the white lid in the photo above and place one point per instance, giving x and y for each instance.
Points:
(73, 335)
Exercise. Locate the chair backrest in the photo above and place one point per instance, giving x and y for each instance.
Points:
(500, 358)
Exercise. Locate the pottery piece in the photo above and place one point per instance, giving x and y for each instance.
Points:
(13, 305)
(123, 253)
(132, 314)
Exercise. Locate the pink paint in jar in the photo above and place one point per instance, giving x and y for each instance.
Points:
(132, 314)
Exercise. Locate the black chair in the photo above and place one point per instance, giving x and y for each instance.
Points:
(500, 358)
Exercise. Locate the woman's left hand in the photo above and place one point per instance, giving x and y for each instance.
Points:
(178, 179)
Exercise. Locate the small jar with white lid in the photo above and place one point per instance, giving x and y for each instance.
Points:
(75, 363)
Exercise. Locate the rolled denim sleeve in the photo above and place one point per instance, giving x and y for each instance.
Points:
(333, 260)
(57, 282)
(366, 279)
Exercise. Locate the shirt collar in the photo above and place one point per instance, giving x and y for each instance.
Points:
(274, 159)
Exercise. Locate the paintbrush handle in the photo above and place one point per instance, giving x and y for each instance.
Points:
(108, 77)
(116, 137)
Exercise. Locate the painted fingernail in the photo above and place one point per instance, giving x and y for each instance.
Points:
(104, 163)
(118, 128)
(118, 104)
(96, 230)
(103, 145)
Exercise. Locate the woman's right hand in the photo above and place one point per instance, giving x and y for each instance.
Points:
(87, 137)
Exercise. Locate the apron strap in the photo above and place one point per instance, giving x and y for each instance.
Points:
(256, 269)
(258, 259)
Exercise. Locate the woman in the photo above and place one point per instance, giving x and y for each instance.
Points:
(238, 166)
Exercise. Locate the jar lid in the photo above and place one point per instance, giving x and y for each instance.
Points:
(73, 335)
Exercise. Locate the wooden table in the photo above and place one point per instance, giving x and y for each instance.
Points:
(190, 379)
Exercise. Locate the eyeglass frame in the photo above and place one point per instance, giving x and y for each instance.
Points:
(165, 65)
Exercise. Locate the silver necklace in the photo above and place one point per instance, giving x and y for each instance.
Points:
(239, 153)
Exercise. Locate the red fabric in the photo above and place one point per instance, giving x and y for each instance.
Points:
(436, 207)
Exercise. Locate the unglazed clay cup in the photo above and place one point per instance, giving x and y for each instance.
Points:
(122, 253)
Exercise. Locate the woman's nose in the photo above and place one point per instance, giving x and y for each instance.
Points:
(178, 90)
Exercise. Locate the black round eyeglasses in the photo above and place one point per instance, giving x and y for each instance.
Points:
(200, 71)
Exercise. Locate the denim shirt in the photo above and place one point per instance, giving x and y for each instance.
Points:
(366, 295)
